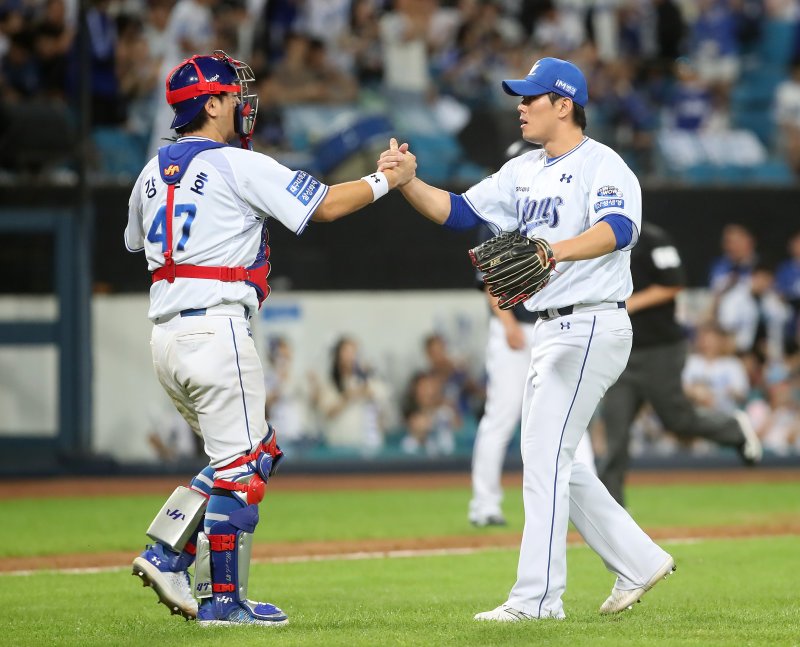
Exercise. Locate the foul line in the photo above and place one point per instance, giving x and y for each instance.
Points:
(364, 555)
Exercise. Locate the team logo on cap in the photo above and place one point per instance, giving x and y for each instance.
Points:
(533, 69)
(171, 170)
(566, 87)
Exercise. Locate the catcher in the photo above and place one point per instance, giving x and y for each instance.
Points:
(581, 197)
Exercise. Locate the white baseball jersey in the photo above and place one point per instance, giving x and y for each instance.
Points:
(560, 198)
(221, 206)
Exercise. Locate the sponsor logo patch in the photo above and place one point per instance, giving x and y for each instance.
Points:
(171, 170)
(566, 87)
(618, 203)
(609, 191)
(297, 183)
(308, 192)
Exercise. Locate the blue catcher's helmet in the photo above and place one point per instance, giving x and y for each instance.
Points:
(191, 83)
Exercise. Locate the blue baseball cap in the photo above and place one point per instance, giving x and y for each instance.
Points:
(551, 75)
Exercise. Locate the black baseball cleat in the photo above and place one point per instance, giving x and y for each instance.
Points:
(491, 520)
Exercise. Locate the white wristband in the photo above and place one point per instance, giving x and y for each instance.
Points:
(378, 183)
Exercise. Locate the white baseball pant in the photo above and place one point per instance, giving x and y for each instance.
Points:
(506, 369)
(575, 358)
(210, 368)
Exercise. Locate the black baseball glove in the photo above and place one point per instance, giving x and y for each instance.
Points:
(514, 267)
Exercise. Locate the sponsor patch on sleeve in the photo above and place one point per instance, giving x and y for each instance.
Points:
(310, 189)
(297, 183)
(616, 203)
(609, 191)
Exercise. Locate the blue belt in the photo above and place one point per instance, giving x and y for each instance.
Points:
(201, 312)
(546, 315)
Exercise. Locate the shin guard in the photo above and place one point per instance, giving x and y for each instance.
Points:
(230, 544)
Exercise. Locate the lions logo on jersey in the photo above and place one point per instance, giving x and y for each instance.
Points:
(533, 213)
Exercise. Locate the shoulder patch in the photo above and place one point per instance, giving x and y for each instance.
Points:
(298, 182)
(609, 203)
(609, 191)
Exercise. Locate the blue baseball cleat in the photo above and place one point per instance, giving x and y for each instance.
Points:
(165, 571)
(225, 610)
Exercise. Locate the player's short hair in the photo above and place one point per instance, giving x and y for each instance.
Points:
(199, 120)
(578, 112)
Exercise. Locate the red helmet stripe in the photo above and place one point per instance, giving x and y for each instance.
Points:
(199, 89)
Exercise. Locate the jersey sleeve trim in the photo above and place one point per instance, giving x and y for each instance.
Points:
(133, 250)
(321, 196)
(634, 229)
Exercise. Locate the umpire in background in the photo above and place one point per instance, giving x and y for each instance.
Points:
(654, 369)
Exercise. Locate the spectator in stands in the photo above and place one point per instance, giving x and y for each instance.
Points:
(287, 396)
(787, 283)
(787, 117)
(190, 29)
(352, 402)
(108, 107)
(328, 21)
(170, 436)
(755, 315)
(558, 31)
(691, 105)
(19, 70)
(305, 75)
(670, 31)
(155, 28)
(470, 67)
(53, 42)
(737, 261)
(713, 376)
(137, 73)
(460, 389)
(714, 45)
(363, 42)
(430, 419)
(280, 19)
(410, 33)
(630, 114)
(777, 419)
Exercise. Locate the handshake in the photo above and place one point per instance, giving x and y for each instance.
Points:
(398, 164)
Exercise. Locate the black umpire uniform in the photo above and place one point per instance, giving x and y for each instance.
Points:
(655, 366)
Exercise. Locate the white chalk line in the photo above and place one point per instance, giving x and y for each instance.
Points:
(364, 555)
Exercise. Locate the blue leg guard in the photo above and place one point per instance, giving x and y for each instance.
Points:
(230, 542)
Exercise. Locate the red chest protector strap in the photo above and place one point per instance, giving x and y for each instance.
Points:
(256, 275)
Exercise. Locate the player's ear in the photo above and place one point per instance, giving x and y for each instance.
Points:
(212, 105)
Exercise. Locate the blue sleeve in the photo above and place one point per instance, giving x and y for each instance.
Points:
(623, 229)
(461, 214)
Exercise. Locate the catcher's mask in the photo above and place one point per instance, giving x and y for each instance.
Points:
(191, 83)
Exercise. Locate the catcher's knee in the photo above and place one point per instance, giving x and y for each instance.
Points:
(247, 476)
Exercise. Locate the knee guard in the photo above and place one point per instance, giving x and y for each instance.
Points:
(179, 518)
(258, 466)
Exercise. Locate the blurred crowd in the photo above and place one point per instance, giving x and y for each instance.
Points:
(700, 88)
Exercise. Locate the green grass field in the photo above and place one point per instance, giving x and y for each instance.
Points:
(725, 592)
